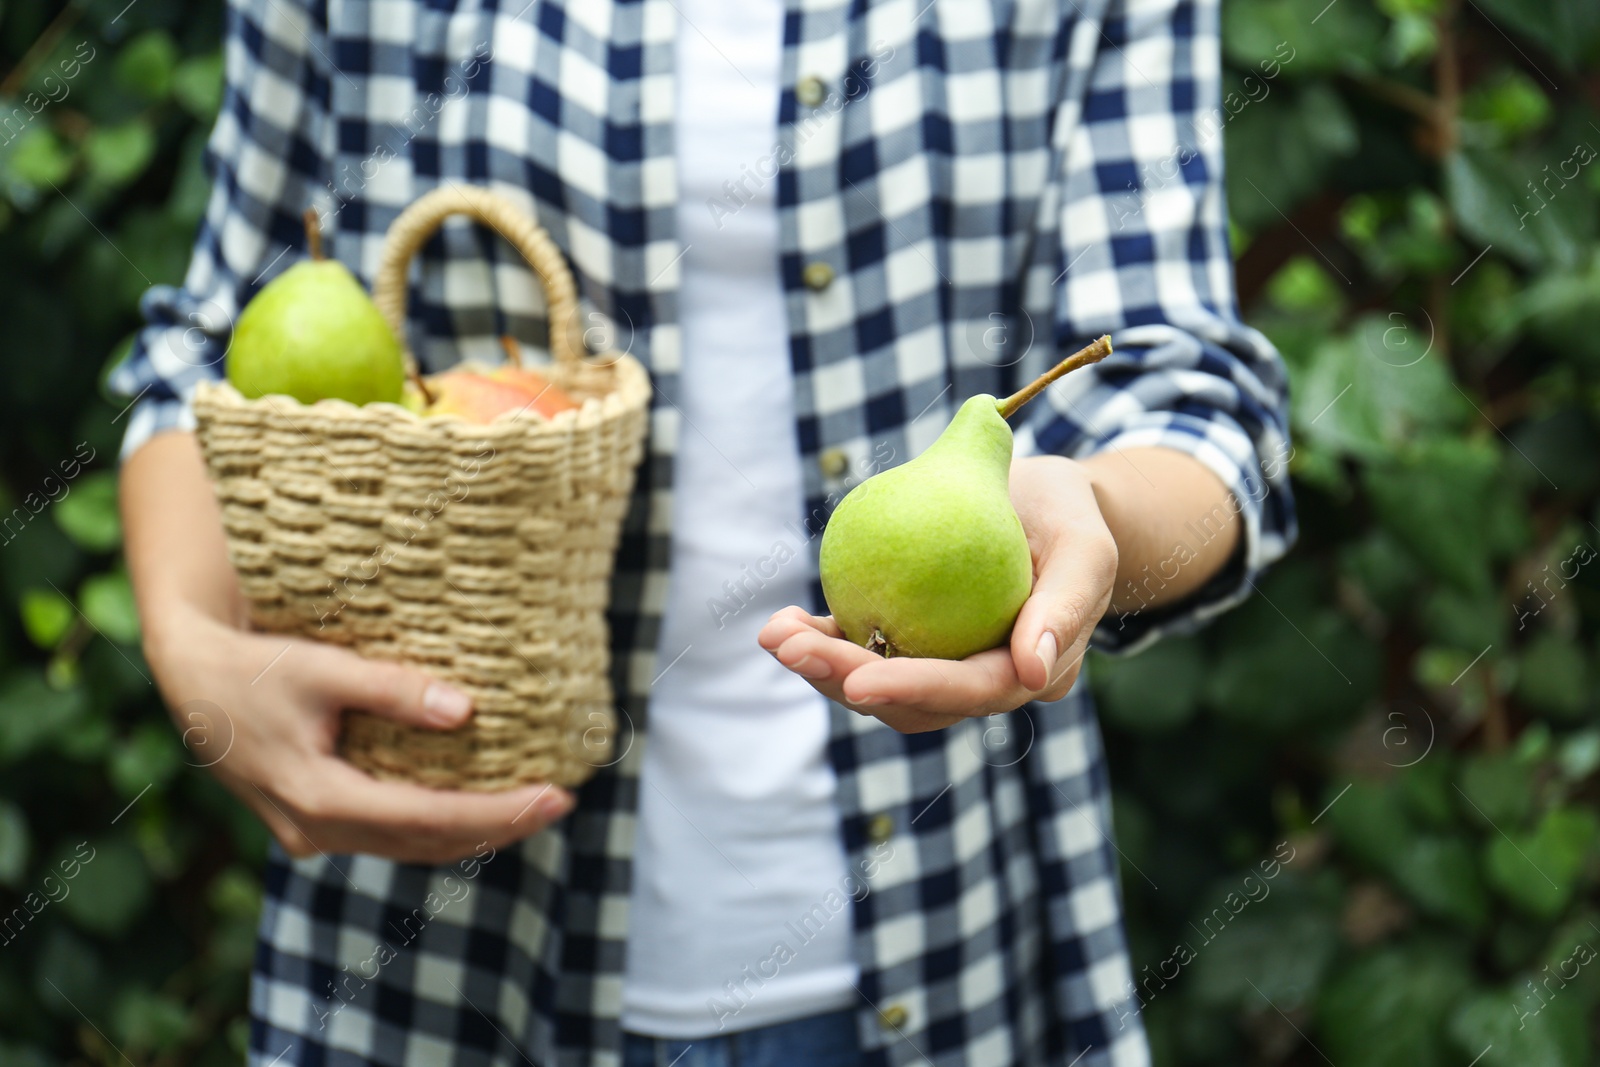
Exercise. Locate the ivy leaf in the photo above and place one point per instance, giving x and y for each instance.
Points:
(1441, 875)
(88, 513)
(46, 616)
(1492, 202)
(150, 757)
(1568, 29)
(118, 154)
(39, 158)
(111, 889)
(1377, 389)
(1497, 791)
(1434, 500)
(1345, 36)
(1371, 821)
(149, 1022)
(1553, 677)
(1508, 1028)
(1279, 946)
(145, 64)
(1388, 1009)
(108, 603)
(1539, 871)
(1156, 690)
(197, 85)
(31, 713)
(13, 844)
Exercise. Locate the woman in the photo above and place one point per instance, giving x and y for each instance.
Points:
(821, 226)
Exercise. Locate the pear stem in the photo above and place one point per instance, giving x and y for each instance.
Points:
(313, 233)
(1092, 354)
(415, 374)
(513, 350)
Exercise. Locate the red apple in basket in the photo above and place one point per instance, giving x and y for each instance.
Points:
(479, 397)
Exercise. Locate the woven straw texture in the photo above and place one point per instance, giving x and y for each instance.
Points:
(481, 554)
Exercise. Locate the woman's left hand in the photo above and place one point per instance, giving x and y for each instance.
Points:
(1074, 568)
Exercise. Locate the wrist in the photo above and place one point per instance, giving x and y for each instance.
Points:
(170, 627)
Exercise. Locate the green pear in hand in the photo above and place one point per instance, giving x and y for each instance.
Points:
(313, 333)
(929, 559)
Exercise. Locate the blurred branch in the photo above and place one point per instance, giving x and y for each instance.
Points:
(40, 48)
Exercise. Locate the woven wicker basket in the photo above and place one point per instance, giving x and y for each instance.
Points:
(481, 554)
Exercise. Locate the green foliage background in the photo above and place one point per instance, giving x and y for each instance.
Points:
(1410, 710)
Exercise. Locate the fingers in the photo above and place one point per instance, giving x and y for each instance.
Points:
(792, 620)
(907, 693)
(346, 680)
(822, 660)
(978, 685)
(348, 811)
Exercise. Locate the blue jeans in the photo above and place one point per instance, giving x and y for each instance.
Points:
(819, 1041)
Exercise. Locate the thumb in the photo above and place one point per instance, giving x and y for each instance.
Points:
(1070, 594)
(392, 690)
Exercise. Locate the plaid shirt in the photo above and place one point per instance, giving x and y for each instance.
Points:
(965, 191)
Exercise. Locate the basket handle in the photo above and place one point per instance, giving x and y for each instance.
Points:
(412, 228)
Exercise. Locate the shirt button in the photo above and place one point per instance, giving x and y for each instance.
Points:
(811, 91)
(817, 276)
(894, 1017)
(835, 462)
(880, 828)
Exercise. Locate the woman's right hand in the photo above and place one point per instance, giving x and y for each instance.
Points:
(280, 700)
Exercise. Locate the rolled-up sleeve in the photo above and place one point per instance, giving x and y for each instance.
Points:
(1143, 256)
(265, 160)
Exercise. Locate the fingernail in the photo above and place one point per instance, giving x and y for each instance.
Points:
(812, 667)
(1046, 651)
(445, 705)
(553, 806)
(870, 702)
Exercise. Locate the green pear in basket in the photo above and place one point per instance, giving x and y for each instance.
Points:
(314, 334)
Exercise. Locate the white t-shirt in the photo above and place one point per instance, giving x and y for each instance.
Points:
(738, 832)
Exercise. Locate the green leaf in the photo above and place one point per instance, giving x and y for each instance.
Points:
(1278, 945)
(1377, 389)
(1539, 871)
(1512, 1028)
(88, 513)
(150, 757)
(31, 713)
(46, 616)
(1434, 501)
(1553, 677)
(1467, 622)
(1346, 36)
(69, 976)
(1496, 790)
(149, 1022)
(198, 85)
(145, 64)
(1569, 30)
(1371, 822)
(13, 844)
(1510, 101)
(112, 888)
(118, 154)
(1441, 875)
(1388, 1009)
(1493, 204)
(1579, 756)
(1156, 690)
(107, 602)
(40, 158)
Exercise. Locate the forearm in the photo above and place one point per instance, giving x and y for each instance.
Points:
(1175, 523)
(177, 554)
